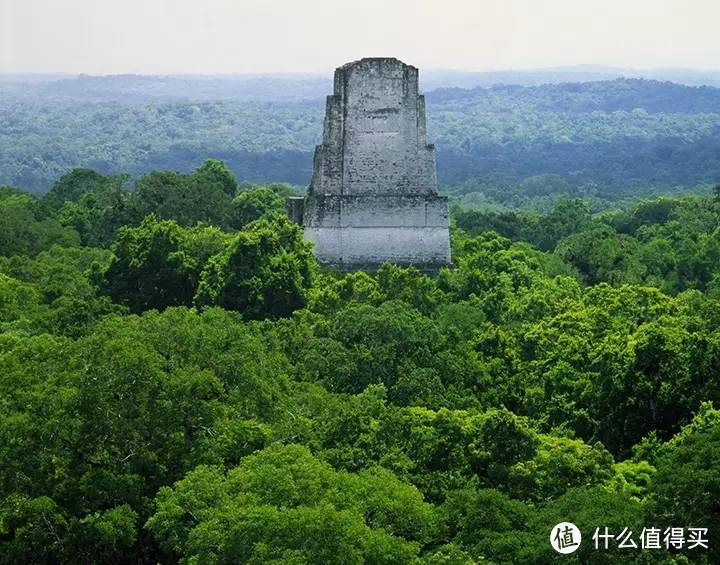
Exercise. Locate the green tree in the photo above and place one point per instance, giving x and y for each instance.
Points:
(63, 278)
(216, 172)
(283, 504)
(202, 196)
(385, 341)
(73, 185)
(254, 203)
(686, 488)
(265, 272)
(25, 229)
(566, 218)
(150, 267)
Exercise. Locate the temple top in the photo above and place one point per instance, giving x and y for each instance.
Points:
(373, 196)
(375, 138)
(370, 63)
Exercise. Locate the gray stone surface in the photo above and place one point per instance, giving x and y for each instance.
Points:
(373, 195)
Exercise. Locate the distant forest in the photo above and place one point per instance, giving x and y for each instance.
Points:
(515, 146)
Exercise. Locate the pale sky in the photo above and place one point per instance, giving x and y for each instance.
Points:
(256, 36)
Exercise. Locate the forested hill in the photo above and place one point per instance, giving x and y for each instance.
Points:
(578, 97)
(147, 88)
(305, 86)
(605, 139)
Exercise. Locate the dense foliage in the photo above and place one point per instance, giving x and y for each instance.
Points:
(494, 145)
(182, 383)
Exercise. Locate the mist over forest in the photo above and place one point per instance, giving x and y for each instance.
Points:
(518, 145)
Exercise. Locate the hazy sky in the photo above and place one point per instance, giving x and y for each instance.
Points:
(239, 36)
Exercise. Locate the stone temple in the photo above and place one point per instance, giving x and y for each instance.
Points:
(373, 196)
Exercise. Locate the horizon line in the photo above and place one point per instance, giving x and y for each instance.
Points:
(584, 67)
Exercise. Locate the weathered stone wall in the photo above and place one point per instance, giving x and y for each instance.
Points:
(373, 196)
